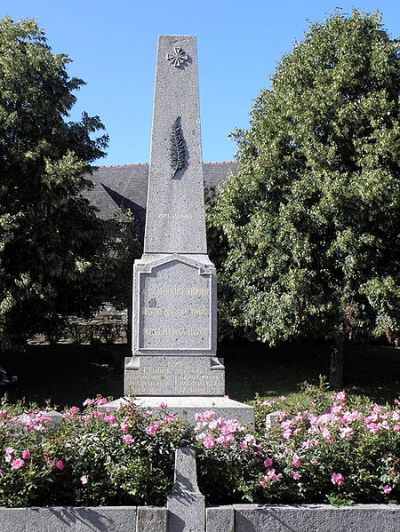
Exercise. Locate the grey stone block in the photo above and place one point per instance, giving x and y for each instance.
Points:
(53, 419)
(188, 407)
(272, 420)
(317, 518)
(172, 375)
(220, 519)
(185, 504)
(68, 519)
(174, 305)
(151, 519)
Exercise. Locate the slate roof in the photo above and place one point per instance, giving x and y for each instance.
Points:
(126, 186)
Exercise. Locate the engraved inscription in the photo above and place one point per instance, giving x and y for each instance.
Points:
(175, 308)
(171, 376)
(175, 216)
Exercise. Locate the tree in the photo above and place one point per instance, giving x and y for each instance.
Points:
(312, 218)
(51, 243)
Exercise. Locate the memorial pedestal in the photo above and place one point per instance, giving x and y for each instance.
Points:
(187, 406)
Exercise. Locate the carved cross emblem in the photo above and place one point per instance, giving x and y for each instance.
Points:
(178, 58)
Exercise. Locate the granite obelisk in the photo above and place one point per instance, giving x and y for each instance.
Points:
(174, 328)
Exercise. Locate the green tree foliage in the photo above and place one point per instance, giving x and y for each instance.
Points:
(312, 218)
(51, 243)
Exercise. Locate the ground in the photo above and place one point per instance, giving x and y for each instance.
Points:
(68, 374)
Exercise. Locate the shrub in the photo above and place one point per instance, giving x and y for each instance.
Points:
(344, 453)
(94, 458)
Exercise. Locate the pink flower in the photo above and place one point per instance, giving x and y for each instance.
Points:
(2, 473)
(327, 435)
(110, 418)
(337, 479)
(268, 462)
(282, 398)
(295, 475)
(26, 454)
(296, 460)
(17, 463)
(247, 441)
(59, 464)
(149, 412)
(346, 433)
(271, 476)
(89, 402)
(162, 406)
(84, 479)
(209, 442)
(152, 430)
(101, 401)
(340, 397)
(10, 450)
(128, 439)
(124, 427)
(387, 489)
(74, 410)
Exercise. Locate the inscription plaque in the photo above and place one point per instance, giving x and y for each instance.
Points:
(175, 308)
(177, 376)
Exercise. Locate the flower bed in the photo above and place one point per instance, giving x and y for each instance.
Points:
(344, 452)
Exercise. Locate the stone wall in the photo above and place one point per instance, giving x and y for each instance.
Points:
(186, 512)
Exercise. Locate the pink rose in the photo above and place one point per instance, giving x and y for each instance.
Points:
(337, 479)
(17, 463)
(209, 442)
(162, 406)
(268, 462)
(110, 419)
(387, 489)
(101, 401)
(128, 439)
(26, 454)
(152, 430)
(59, 464)
(296, 475)
(84, 479)
(296, 460)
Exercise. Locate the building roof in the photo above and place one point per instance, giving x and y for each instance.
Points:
(126, 186)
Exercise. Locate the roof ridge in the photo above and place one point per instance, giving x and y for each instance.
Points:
(147, 164)
(219, 162)
(121, 165)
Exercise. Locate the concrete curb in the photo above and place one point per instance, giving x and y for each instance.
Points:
(230, 518)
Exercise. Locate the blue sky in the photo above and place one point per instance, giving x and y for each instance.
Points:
(240, 42)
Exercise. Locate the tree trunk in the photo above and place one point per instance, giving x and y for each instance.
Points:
(336, 367)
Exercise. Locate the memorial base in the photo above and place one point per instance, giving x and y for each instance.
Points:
(188, 406)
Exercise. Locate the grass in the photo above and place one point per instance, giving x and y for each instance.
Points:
(68, 374)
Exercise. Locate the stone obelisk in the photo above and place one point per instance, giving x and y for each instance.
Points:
(174, 332)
